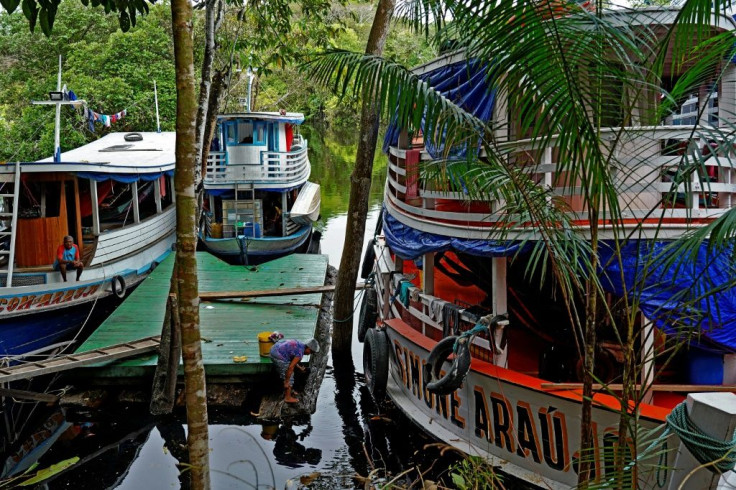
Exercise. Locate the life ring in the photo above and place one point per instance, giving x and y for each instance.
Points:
(454, 376)
(118, 286)
(369, 257)
(375, 363)
(368, 313)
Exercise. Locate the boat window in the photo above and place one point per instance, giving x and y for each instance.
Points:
(40, 200)
(245, 133)
(147, 198)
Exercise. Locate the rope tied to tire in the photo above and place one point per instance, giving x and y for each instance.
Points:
(460, 347)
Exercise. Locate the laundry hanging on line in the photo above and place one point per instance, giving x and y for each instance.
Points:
(92, 117)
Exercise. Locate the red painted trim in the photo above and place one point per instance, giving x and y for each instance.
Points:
(601, 400)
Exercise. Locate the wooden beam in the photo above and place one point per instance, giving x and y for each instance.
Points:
(213, 296)
(679, 388)
(29, 395)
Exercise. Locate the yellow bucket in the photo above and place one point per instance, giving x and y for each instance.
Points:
(216, 230)
(265, 343)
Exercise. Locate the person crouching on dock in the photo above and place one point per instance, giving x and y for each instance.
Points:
(286, 355)
(67, 257)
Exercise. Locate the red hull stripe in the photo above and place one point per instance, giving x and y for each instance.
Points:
(651, 412)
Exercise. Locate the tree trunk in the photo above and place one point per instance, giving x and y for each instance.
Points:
(220, 81)
(186, 242)
(360, 184)
(213, 20)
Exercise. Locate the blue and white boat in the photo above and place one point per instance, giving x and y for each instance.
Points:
(260, 204)
(115, 197)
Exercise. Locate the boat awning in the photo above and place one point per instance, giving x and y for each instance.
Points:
(409, 243)
(465, 83)
(125, 178)
(676, 291)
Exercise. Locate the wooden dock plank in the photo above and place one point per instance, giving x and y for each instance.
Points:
(229, 328)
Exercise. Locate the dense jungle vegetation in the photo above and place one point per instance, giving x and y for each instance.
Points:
(114, 71)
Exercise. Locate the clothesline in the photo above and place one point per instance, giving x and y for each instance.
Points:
(91, 116)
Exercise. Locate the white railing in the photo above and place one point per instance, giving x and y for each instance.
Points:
(646, 163)
(275, 167)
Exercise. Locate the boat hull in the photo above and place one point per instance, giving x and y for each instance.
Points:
(504, 416)
(258, 250)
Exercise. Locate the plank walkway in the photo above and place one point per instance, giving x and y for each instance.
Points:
(229, 328)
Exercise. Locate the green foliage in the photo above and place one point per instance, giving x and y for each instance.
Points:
(474, 473)
(112, 71)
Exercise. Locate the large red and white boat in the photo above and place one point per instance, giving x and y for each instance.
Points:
(439, 270)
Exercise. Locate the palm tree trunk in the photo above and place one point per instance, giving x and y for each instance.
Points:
(186, 242)
(360, 185)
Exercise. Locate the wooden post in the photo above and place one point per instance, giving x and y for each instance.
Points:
(163, 392)
(157, 193)
(136, 210)
(715, 414)
(500, 356)
(95, 207)
(647, 358)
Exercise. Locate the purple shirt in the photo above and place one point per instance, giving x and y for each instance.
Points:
(287, 349)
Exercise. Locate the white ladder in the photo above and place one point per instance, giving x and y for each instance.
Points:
(13, 215)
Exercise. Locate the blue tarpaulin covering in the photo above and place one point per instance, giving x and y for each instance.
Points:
(125, 178)
(410, 244)
(672, 291)
(463, 83)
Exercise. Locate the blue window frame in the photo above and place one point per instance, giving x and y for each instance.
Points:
(245, 133)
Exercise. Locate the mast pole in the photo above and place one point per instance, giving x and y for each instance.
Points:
(155, 97)
(57, 125)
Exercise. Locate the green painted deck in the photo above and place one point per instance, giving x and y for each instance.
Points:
(229, 328)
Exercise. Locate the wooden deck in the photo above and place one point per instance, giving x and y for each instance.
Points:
(230, 327)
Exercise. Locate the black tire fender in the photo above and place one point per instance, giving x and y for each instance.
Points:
(118, 286)
(375, 363)
(369, 257)
(454, 376)
(368, 313)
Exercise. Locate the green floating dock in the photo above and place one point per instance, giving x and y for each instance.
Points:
(229, 328)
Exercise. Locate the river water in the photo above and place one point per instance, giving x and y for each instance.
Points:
(127, 449)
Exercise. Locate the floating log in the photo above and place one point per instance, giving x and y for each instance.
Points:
(29, 395)
(213, 296)
(679, 388)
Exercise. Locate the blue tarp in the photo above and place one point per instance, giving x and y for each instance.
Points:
(125, 178)
(410, 244)
(465, 84)
(671, 292)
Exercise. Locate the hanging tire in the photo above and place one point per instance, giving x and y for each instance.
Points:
(118, 286)
(368, 313)
(375, 363)
(454, 377)
(369, 257)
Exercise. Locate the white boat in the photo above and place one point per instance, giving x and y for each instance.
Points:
(115, 197)
(439, 270)
(260, 203)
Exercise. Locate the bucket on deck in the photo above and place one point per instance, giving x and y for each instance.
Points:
(265, 343)
(216, 230)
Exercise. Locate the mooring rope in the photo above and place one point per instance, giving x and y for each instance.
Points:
(716, 455)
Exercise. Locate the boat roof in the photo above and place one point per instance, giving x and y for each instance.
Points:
(113, 154)
(289, 117)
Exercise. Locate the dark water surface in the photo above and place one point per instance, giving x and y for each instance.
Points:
(126, 448)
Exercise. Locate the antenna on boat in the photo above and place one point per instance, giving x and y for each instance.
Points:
(155, 98)
(58, 98)
(250, 86)
(57, 124)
